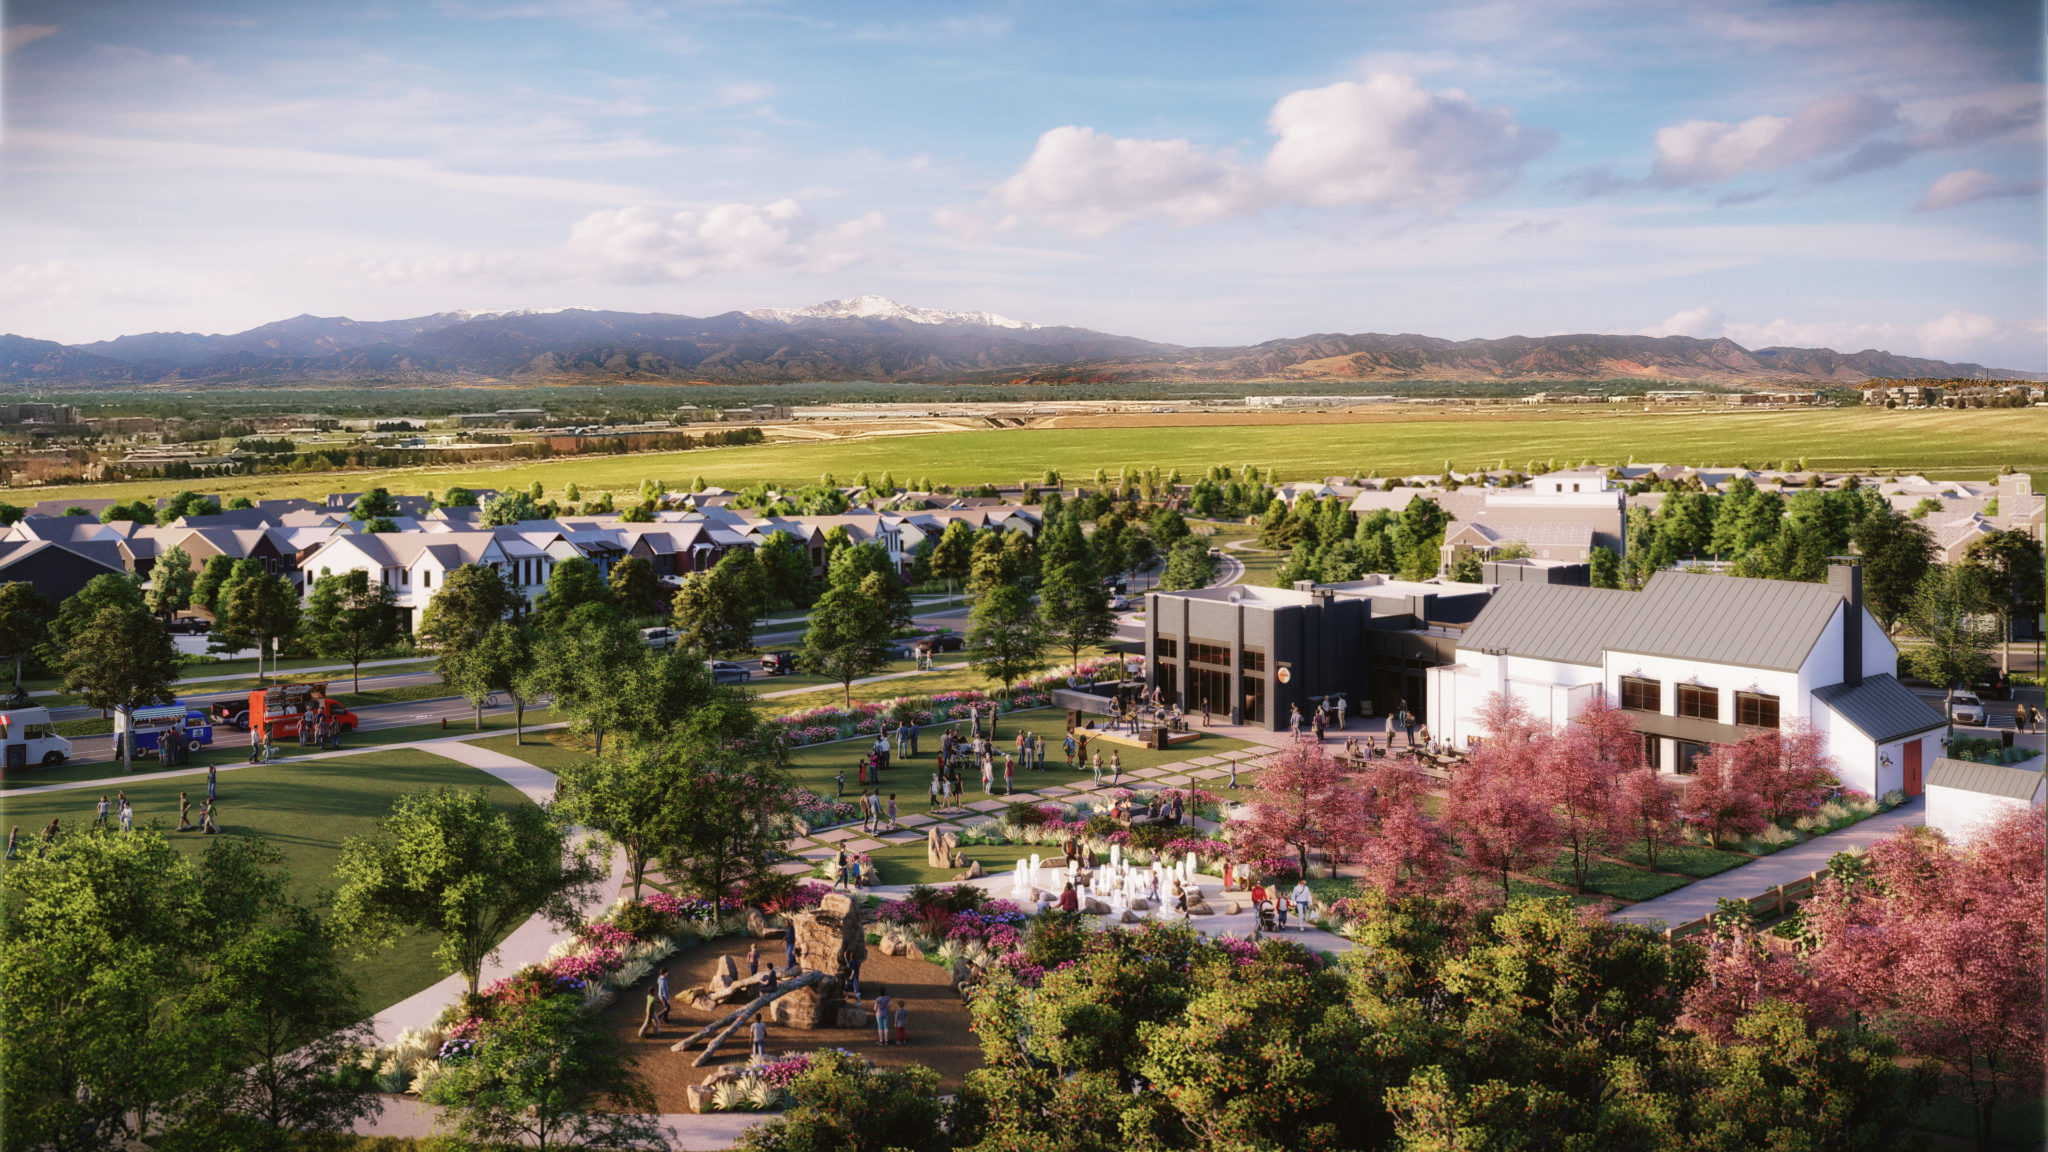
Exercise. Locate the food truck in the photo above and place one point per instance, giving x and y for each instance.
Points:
(28, 736)
(185, 726)
(282, 709)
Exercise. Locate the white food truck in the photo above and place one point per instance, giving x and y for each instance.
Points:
(28, 736)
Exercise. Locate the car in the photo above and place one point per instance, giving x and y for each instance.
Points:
(727, 672)
(778, 663)
(948, 642)
(1120, 604)
(1965, 708)
(659, 639)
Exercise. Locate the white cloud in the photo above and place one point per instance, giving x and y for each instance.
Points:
(1383, 143)
(639, 244)
(1955, 334)
(1388, 142)
(17, 36)
(1701, 323)
(1710, 151)
(1969, 185)
(1090, 183)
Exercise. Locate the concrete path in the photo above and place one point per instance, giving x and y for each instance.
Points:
(1697, 899)
(904, 675)
(407, 1117)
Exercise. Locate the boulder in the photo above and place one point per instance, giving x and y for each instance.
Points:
(1233, 907)
(758, 924)
(1139, 904)
(942, 848)
(973, 872)
(1200, 908)
(1130, 917)
(829, 932)
(856, 1016)
(739, 991)
(1094, 907)
(725, 975)
(893, 943)
(699, 1097)
(809, 1008)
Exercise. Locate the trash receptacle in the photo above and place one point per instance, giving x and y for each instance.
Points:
(2006, 737)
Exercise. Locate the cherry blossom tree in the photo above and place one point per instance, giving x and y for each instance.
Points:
(1721, 803)
(1499, 822)
(1303, 801)
(1507, 720)
(1945, 948)
(1645, 808)
(1789, 770)
(1577, 772)
(1743, 970)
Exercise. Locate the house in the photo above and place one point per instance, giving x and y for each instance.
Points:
(1698, 660)
(56, 570)
(1963, 796)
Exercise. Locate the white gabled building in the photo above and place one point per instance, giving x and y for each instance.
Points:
(1963, 796)
(1699, 660)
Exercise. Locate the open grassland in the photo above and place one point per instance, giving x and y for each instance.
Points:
(304, 810)
(1949, 444)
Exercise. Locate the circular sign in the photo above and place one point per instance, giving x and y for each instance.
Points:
(1284, 675)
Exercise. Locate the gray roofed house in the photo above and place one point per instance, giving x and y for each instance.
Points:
(2003, 780)
(1963, 796)
(1881, 708)
(1727, 620)
(1559, 622)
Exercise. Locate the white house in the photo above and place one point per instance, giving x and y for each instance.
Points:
(1963, 796)
(1699, 660)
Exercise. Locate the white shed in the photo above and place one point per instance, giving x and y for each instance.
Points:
(1963, 795)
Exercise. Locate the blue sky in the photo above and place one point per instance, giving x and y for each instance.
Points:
(1850, 174)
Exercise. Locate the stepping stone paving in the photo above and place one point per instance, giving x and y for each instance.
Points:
(835, 835)
(1175, 781)
(818, 853)
(1210, 773)
(989, 805)
(791, 869)
(1206, 760)
(913, 821)
(862, 845)
(901, 837)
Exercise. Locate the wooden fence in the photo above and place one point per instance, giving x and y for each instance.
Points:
(1776, 902)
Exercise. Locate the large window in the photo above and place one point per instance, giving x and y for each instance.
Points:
(1165, 647)
(1254, 688)
(1252, 660)
(1642, 695)
(1699, 703)
(1201, 653)
(1756, 709)
(1653, 752)
(1690, 754)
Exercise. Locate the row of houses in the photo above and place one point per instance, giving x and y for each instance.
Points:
(301, 541)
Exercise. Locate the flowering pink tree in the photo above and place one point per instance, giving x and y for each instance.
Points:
(1303, 801)
(1498, 820)
(1645, 808)
(1507, 720)
(1789, 769)
(1744, 969)
(1721, 804)
(1946, 949)
(1577, 772)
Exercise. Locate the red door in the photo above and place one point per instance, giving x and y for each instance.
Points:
(1913, 768)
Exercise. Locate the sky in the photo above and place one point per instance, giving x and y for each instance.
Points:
(1848, 175)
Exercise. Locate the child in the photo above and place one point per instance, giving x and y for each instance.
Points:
(902, 1021)
(760, 1029)
(892, 812)
(184, 813)
(753, 959)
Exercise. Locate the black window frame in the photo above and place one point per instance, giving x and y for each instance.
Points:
(1641, 686)
(1251, 660)
(1757, 704)
(1695, 692)
(1214, 655)
(1165, 647)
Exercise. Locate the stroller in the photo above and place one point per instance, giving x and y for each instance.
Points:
(1268, 922)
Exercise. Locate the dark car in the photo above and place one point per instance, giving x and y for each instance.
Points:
(778, 663)
(947, 642)
(727, 672)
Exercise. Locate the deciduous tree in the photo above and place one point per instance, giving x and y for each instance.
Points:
(547, 1075)
(848, 637)
(171, 580)
(25, 616)
(1004, 641)
(1303, 801)
(351, 617)
(124, 660)
(635, 589)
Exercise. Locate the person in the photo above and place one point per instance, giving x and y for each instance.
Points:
(853, 977)
(1303, 901)
(1341, 705)
(1258, 893)
(902, 1021)
(99, 816)
(754, 959)
(1408, 722)
(127, 817)
(853, 871)
(839, 874)
(789, 944)
(935, 789)
(773, 980)
(892, 813)
(1069, 900)
(760, 1031)
(49, 837)
(882, 1003)
(1069, 746)
(650, 1021)
(1279, 910)
(1009, 774)
(1233, 773)
(1294, 721)
(1096, 766)
(1178, 810)
(206, 814)
(1116, 765)
(988, 775)
(13, 834)
(212, 792)
(661, 990)
(1319, 726)
(839, 782)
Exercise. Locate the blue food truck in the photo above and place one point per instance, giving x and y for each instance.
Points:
(188, 728)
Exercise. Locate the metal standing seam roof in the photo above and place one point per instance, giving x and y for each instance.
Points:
(1727, 620)
(1561, 622)
(1988, 779)
(1881, 707)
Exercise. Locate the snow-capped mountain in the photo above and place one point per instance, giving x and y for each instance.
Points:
(883, 308)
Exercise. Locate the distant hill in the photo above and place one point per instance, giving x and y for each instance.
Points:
(874, 338)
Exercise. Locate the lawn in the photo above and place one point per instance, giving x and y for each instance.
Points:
(554, 750)
(1695, 860)
(1972, 443)
(1608, 878)
(906, 864)
(305, 811)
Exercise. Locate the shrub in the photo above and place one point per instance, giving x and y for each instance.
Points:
(641, 921)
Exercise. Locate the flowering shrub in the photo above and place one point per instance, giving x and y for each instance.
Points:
(586, 969)
(602, 934)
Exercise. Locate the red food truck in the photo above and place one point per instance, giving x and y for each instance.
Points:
(282, 709)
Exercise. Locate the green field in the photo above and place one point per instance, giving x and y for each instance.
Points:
(303, 810)
(1966, 443)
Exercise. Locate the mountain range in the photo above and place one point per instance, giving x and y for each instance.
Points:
(874, 338)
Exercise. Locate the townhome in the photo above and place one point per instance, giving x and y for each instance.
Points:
(1699, 660)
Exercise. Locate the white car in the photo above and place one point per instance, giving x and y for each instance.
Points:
(1965, 708)
(659, 639)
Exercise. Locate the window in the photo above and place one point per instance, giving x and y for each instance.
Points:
(1209, 654)
(1254, 690)
(1165, 647)
(1642, 695)
(1252, 661)
(1699, 703)
(1689, 755)
(1653, 752)
(1756, 709)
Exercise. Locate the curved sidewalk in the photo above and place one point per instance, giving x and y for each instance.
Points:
(1697, 899)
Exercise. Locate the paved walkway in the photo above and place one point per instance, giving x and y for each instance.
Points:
(1697, 899)
(808, 689)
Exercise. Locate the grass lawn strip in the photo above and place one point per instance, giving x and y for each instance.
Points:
(305, 810)
(1695, 860)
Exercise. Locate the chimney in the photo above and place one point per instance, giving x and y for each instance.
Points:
(1847, 579)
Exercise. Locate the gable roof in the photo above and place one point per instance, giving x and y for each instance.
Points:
(1727, 620)
(1988, 779)
(1561, 622)
(1881, 707)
